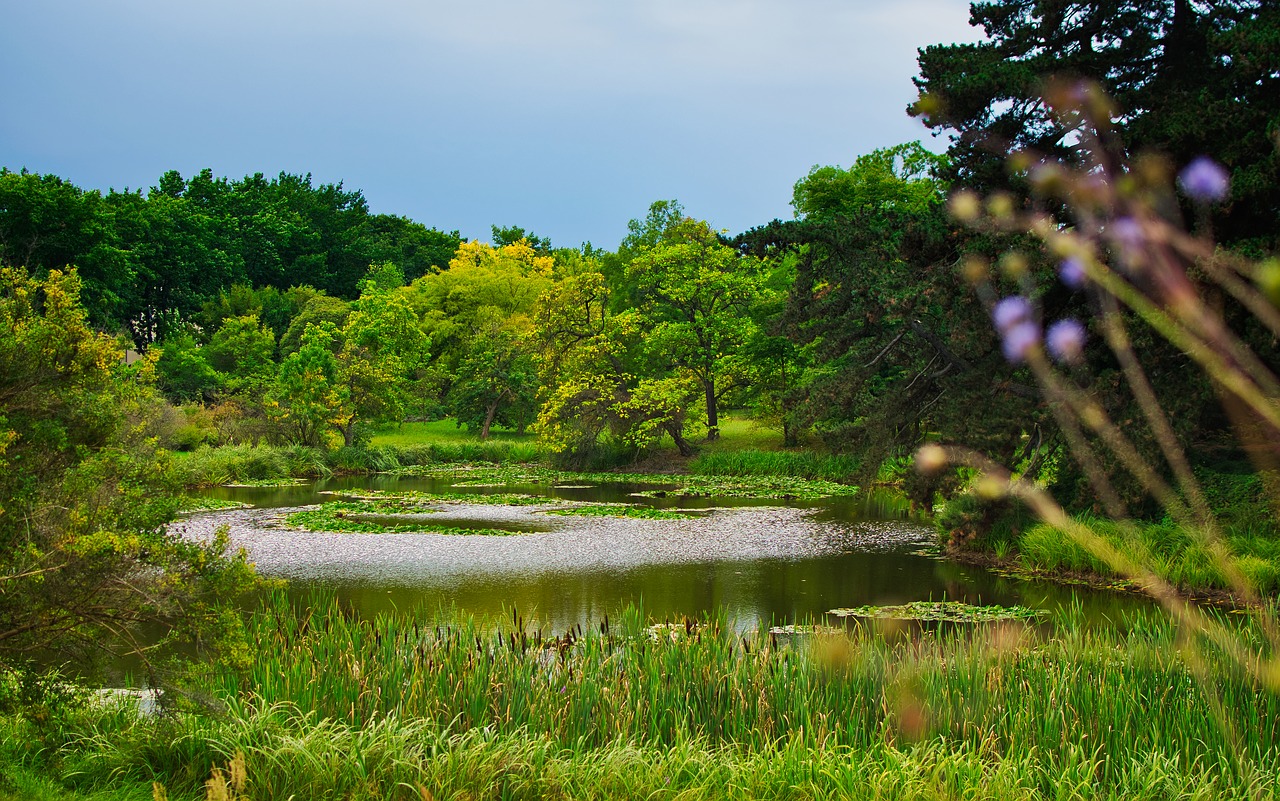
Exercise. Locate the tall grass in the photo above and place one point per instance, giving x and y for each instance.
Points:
(1172, 551)
(799, 464)
(209, 466)
(336, 707)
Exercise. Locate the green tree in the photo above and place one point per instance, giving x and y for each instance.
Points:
(497, 381)
(85, 558)
(242, 351)
(896, 345)
(696, 292)
(342, 378)
(1188, 79)
(591, 359)
(304, 398)
(901, 177)
(183, 372)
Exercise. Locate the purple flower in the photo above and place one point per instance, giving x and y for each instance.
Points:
(1072, 272)
(1065, 340)
(1010, 312)
(1019, 340)
(1127, 232)
(1205, 180)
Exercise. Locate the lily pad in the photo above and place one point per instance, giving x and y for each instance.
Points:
(620, 510)
(267, 482)
(943, 611)
(193, 505)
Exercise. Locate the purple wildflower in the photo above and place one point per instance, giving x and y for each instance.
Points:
(1065, 340)
(1019, 340)
(1127, 232)
(1011, 311)
(1072, 272)
(1205, 180)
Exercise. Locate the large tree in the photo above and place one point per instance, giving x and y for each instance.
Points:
(695, 293)
(1188, 79)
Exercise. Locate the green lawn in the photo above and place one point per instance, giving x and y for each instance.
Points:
(442, 432)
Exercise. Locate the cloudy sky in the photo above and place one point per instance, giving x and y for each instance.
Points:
(567, 117)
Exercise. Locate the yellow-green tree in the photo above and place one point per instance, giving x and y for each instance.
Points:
(85, 558)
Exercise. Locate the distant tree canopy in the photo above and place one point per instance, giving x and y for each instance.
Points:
(149, 261)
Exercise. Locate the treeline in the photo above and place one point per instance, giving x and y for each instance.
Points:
(149, 261)
(291, 314)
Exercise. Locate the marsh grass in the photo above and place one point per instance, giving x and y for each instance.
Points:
(336, 706)
(209, 466)
(1173, 552)
(798, 464)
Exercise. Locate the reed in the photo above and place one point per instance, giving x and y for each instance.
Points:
(338, 706)
(799, 464)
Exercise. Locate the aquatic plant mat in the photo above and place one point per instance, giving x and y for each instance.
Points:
(666, 485)
(379, 517)
(191, 505)
(940, 611)
(333, 706)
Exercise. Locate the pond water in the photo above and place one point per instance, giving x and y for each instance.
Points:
(759, 560)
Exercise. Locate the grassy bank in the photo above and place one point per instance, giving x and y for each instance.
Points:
(1240, 502)
(336, 707)
(743, 449)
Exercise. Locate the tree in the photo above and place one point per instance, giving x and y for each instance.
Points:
(514, 234)
(902, 177)
(695, 293)
(592, 361)
(241, 350)
(497, 381)
(1188, 79)
(85, 558)
(183, 372)
(342, 378)
(304, 397)
(897, 345)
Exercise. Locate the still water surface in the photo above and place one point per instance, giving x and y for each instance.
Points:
(758, 560)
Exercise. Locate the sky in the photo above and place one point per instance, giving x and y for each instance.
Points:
(565, 117)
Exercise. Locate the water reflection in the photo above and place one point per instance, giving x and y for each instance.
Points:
(760, 565)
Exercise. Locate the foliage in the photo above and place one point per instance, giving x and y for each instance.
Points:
(241, 350)
(1186, 79)
(340, 517)
(941, 611)
(903, 177)
(497, 380)
(183, 372)
(694, 294)
(84, 556)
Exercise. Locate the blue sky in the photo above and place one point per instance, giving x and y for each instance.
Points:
(567, 117)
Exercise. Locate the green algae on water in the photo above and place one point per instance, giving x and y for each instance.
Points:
(621, 510)
(940, 611)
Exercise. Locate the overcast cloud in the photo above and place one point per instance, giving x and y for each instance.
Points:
(567, 117)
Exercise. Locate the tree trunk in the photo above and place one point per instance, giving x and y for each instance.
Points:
(489, 414)
(713, 418)
(681, 443)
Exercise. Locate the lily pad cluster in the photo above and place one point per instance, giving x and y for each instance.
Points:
(347, 517)
(664, 485)
(940, 611)
(621, 510)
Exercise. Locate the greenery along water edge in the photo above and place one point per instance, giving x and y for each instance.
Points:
(334, 706)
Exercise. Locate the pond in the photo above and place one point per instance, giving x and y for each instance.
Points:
(760, 560)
